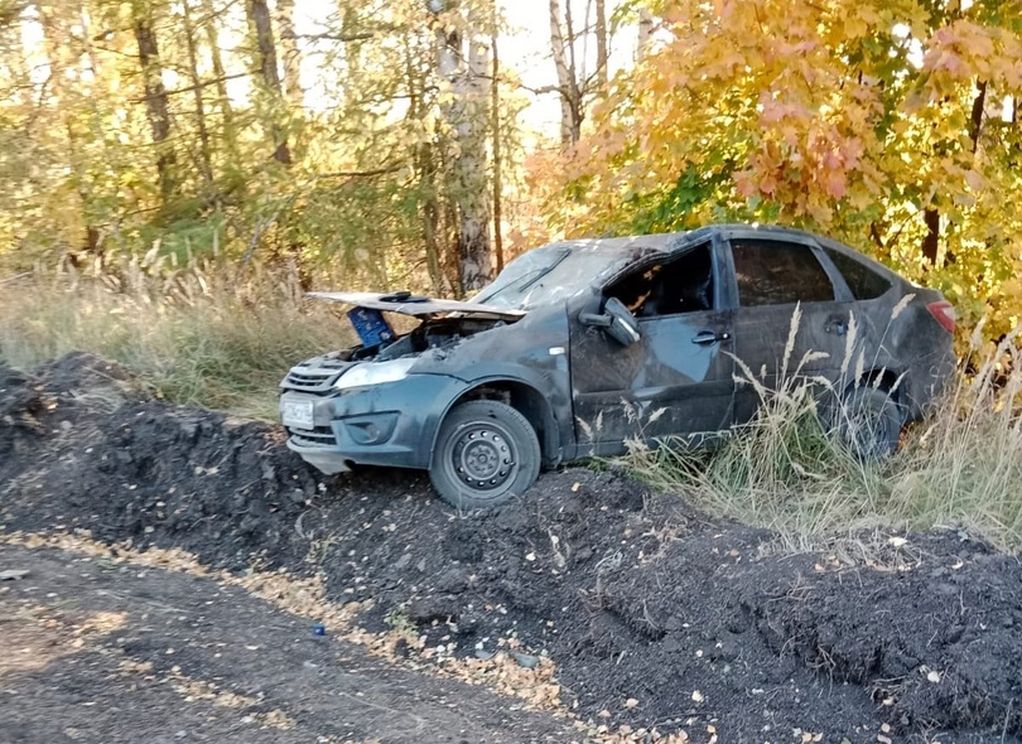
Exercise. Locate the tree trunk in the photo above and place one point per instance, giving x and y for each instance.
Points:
(474, 238)
(425, 168)
(645, 34)
(567, 86)
(156, 100)
(52, 36)
(291, 55)
(205, 158)
(223, 99)
(259, 17)
(430, 216)
(976, 117)
(466, 116)
(601, 44)
(931, 241)
(92, 233)
(498, 237)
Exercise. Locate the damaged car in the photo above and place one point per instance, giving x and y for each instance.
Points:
(578, 347)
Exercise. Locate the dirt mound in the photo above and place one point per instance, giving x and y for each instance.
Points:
(654, 614)
(20, 404)
(940, 643)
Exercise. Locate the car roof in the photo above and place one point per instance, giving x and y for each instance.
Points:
(625, 244)
(670, 242)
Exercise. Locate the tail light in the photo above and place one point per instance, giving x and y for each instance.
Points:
(944, 313)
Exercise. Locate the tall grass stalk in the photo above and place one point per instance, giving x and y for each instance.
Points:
(194, 336)
(785, 470)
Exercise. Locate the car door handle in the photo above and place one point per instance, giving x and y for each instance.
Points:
(837, 326)
(704, 338)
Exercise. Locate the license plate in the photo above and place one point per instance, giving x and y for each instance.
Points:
(297, 413)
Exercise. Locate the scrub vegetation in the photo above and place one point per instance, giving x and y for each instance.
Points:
(400, 141)
(789, 472)
(193, 337)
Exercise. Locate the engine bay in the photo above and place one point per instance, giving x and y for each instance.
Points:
(432, 333)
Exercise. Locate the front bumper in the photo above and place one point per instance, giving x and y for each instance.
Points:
(393, 424)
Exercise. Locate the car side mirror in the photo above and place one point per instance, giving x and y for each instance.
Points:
(616, 320)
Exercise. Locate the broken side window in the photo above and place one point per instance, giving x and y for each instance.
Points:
(677, 285)
(773, 272)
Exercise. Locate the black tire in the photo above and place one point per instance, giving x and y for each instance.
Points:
(486, 453)
(869, 423)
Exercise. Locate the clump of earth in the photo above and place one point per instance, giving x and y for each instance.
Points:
(654, 614)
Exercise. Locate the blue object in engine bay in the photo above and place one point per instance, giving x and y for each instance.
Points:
(370, 325)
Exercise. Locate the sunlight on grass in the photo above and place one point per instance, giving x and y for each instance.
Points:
(194, 338)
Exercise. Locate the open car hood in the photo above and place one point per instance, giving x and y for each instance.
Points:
(417, 306)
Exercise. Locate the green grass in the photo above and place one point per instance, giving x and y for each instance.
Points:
(192, 339)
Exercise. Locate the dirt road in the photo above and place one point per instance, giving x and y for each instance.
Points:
(103, 652)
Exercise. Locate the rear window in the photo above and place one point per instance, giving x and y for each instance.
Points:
(773, 272)
(862, 280)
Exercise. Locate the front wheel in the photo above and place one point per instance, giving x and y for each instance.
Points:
(486, 453)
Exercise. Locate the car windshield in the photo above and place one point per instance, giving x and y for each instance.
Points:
(547, 273)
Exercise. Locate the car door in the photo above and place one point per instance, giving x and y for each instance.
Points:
(677, 378)
(793, 314)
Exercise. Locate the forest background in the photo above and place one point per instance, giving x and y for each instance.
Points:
(423, 143)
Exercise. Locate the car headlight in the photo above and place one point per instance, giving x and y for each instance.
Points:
(374, 373)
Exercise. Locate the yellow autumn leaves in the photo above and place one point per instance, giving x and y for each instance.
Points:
(890, 125)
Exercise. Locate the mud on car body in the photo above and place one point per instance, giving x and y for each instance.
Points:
(579, 346)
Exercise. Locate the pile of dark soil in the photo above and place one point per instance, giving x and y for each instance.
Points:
(654, 614)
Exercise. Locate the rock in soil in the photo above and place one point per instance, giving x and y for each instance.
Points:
(653, 613)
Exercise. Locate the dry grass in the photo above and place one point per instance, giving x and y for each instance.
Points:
(217, 340)
(193, 336)
(960, 467)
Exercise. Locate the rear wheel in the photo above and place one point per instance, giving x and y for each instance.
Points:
(870, 423)
(486, 453)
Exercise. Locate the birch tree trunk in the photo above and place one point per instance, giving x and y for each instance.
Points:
(565, 82)
(601, 44)
(645, 34)
(462, 61)
(498, 183)
(290, 54)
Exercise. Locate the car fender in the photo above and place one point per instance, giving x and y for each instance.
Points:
(533, 353)
(558, 442)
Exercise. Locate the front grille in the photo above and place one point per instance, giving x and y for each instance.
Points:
(318, 436)
(318, 379)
